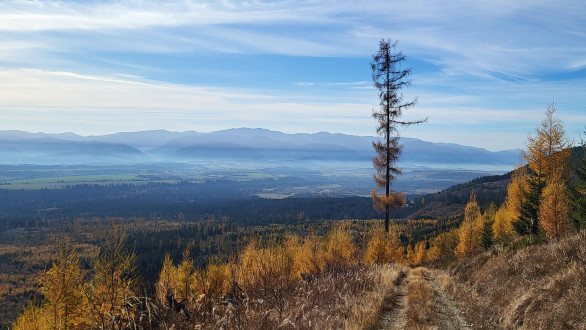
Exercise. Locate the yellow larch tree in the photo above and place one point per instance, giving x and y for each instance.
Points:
(378, 251)
(410, 255)
(214, 280)
(547, 156)
(383, 247)
(421, 252)
(553, 210)
(34, 317)
(167, 283)
(309, 256)
(547, 151)
(502, 226)
(469, 232)
(114, 285)
(340, 248)
(516, 193)
(62, 286)
(443, 246)
(185, 278)
(397, 251)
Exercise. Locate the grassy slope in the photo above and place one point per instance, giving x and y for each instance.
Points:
(538, 287)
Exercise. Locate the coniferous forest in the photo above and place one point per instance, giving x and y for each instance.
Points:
(289, 263)
(434, 210)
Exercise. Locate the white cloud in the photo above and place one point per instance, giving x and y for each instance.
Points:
(30, 97)
(491, 59)
(513, 37)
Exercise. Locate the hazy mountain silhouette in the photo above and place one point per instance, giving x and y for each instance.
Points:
(54, 151)
(241, 143)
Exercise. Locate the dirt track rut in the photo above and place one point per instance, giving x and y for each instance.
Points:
(447, 314)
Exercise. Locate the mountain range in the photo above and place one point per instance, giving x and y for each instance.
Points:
(18, 147)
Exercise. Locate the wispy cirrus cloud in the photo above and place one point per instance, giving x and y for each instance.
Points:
(169, 64)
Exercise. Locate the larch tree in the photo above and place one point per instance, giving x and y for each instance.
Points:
(185, 277)
(553, 211)
(378, 249)
(502, 226)
(516, 194)
(167, 283)
(114, 285)
(547, 155)
(469, 232)
(421, 252)
(444, 245)
(389, 79)
(62, 286)
(383, 247)
(548, 150)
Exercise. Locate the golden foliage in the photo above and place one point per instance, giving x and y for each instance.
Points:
(264, 266)
(516, 193)
(503, 226)
(421, 255)
(34, 317)
(340, 250)
(184, 278)
(443, 246)
(167, 283)
(410, 255)
(62, 287)
(308, 257)
(553, 210)
(114, 285)
(214, 280)
(381, 203)
(547, 151)
(72, 302)
(383, 247)
(469, 232)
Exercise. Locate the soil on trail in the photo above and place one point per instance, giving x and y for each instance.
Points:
(394, 314)
(447, 315)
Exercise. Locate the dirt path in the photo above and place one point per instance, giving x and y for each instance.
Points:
(447, 315)
(394, 316)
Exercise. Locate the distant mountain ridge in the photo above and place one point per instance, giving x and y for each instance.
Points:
(239, 143)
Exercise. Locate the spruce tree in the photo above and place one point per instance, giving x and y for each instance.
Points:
(577, 195)
(487, 234)
(528, 223)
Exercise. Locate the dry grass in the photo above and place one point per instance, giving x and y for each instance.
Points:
(345, 299)
(369, 306)
(420, 302)
(539, 287)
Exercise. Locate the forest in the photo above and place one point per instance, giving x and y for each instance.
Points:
(193, 267)
(235, 165)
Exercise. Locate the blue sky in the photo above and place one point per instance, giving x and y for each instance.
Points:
(484, 71)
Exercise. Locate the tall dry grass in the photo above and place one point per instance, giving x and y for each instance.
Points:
(420, 301)
(538, 287)
(367, 307)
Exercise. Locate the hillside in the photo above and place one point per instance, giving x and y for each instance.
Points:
(451, 202)
(537, 287)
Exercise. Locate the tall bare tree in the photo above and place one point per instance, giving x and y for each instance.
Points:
(389, 78)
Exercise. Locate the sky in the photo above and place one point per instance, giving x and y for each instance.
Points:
(483, 71)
